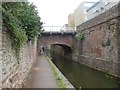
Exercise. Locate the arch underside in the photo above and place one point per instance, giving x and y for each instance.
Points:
(65, 50)
(56, 43)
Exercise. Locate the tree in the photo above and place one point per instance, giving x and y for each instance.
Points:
(22, 20)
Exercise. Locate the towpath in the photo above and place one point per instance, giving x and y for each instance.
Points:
(42, 75)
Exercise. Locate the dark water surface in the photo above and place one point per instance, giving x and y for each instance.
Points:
(82, 76)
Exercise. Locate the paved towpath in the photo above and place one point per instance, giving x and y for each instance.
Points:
(42, 75)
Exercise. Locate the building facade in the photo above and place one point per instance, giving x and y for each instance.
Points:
(71, 20)
(80, 14)
(100, 7)
(71, 24)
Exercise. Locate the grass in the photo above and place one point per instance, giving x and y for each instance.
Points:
(59, 80)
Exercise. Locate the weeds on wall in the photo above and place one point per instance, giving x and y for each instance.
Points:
(22, 21)
(106, 43)
(80, 36)
(117, 30)
(117, 33)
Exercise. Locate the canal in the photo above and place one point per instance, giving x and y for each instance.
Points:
(82, 76)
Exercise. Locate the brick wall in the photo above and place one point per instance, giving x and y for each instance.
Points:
(14, 69)
(99, 49)
(64, 39)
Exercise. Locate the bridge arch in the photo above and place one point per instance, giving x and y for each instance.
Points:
(56, 39)
(48, 38)
(61, 49)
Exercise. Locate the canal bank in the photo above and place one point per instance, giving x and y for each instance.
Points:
(61, 80)
(42, 75)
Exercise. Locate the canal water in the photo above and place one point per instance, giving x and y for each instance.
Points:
(82, 76)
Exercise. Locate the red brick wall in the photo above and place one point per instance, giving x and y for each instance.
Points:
(100, 47)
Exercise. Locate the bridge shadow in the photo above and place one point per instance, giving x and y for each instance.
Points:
(61, 49)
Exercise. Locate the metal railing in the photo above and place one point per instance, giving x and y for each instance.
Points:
(59, 29)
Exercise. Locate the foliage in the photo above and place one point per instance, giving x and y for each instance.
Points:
(22, 20)
(117, 30)
(80, 36)
(117, 34)
(17, 34)
(106, 43)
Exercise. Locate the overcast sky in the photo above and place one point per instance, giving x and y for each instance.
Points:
(55, 12)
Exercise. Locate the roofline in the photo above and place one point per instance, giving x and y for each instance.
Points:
(93, 6)
(82, 3)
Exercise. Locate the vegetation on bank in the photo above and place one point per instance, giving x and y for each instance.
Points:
(59, 80)
(22, 21)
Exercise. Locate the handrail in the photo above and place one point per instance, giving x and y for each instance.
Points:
(59, 29)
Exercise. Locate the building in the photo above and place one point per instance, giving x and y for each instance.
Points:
(100, 7)
(71, 24)
(80, 14)
(71, 20)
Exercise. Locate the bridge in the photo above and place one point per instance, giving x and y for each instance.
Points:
(65, 39)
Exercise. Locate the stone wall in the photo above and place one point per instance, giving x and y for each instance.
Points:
(0, 48)
(15, 69)
(0, 57)
(99, 49)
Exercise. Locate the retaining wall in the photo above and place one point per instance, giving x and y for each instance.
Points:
(100, 47)
(15, 69)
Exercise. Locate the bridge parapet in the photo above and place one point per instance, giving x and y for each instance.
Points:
(58, 38)
(59, 32)
(59, 29)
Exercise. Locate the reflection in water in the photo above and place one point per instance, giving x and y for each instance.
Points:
(82, 76)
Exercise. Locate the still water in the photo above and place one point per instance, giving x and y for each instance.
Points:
(82, 76)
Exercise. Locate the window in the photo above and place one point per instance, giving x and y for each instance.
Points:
(94, 10)
(107, 2)
(102, 8)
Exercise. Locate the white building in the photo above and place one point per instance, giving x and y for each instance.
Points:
(100, 7)
(71, 20)
(71, 25)
(80, 14)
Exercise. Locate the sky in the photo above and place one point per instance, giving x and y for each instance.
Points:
(55, 12)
